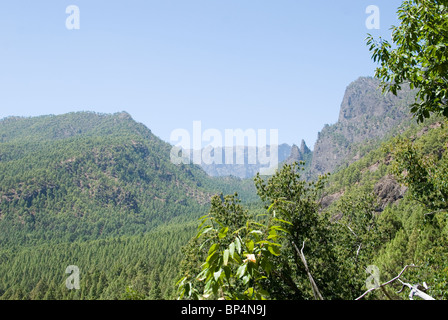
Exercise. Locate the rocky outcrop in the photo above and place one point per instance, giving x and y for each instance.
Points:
(299, 154)
(388, 191)
(366, 114)
(327, 200)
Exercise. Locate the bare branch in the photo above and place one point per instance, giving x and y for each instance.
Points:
(316, 291)
(388, 282)
(351, 230)
(357, 251)
(434, 212)
(415, 292)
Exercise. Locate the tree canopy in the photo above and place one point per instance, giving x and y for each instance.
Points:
(418, 56)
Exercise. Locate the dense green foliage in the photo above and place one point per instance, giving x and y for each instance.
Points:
(87, 176)
(76, 192)
(99, 192)
(358, 229)
(68, 181)
(418, 55)
(145, 265)
(254, 257)
(412, 227)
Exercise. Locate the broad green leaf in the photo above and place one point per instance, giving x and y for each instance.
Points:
(217, 274)
(215, 288)
(201, 276)
(226, 256)
(250, 246)
(212, 257)
(213, 248)
(238, 245)
(284, 221)
(241, 271)
(272, 234)
(249, 291)
(223, 232)
(263, 292)
(232, 249)
(181, 281)
(280, 229)
(258, 224)
(204, 231)
(207, 288)
(237, 258)
(272, 205)
(274, 250)
(269, 243)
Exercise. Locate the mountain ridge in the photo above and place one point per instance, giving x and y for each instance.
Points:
(96, 173)
(366, 117)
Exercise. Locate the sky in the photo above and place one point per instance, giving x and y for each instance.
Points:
(230, 64)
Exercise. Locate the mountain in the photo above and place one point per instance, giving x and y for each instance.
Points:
(98, 191)
(299, 154)
(241, 166)
(385, 211)
(412, 232)
(88, 176)
(366, 116)
(84, 175)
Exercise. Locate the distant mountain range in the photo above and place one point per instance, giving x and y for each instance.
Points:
(100, 191)
(96, 165)
(241, 165)
(366, 116)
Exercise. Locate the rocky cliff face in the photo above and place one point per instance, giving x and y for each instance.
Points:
(366, 115)
(299, 154)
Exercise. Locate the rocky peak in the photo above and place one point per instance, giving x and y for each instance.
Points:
(304, 148)
(298, 154)
(366, 114)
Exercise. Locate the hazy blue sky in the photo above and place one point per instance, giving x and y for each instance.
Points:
(249, 64)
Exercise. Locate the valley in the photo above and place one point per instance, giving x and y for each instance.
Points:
(99, 191)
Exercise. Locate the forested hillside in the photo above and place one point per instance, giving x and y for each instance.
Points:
(327, 239)
(92, 206)
(88, 176)
(129, 267)
(401, 186)
(98, 191)
(69, 180)
(377, 227)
